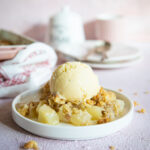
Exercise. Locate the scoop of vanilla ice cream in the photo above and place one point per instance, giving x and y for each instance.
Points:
(74, 81)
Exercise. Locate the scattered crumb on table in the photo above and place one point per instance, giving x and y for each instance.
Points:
(146, 92)
(111, 147)
(31, 145)
(135, 94)
(141, 110)
(136, 103)
(120, 90)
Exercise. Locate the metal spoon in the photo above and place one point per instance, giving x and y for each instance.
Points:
(102, 50)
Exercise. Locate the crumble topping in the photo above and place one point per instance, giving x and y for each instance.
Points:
(101, 108)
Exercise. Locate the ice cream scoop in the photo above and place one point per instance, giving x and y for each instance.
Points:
(74, 81)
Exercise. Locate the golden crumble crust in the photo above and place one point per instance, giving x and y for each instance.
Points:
(105, 100)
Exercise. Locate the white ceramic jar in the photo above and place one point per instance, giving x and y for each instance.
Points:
(65, 27)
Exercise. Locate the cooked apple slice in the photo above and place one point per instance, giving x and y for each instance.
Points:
(47, 115)
(95, 111)
(120, 104)
(81, 118)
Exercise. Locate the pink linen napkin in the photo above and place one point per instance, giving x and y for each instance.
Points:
(30, 68)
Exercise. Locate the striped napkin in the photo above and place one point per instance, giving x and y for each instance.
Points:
(31, 68)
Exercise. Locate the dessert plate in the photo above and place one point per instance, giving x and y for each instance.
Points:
(115, 65)
(67, 131)
(117, 52)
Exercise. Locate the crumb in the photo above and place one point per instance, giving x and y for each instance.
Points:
(141, 110)
(120, 90)
(31, 145)
(136, 103)
(111, 147)
(135, 94)
(146, 92)
(100, 121)
(67, 116)
(90, 102)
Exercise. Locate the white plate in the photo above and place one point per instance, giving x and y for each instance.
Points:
(67, 131)
(117, 52)
(116, 65)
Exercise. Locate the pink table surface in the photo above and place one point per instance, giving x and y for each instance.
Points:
(134, 137)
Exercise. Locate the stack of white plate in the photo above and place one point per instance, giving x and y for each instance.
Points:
(118, 55)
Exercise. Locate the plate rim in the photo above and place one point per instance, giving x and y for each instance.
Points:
(56, 126)
(116, 65)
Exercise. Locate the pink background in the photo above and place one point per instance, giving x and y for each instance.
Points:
(30, 17)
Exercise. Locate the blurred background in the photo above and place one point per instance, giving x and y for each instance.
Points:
(30, 17)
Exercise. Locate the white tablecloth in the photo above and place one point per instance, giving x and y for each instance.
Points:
(134, 137)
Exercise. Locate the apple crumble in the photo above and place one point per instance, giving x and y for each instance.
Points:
(52, 109)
